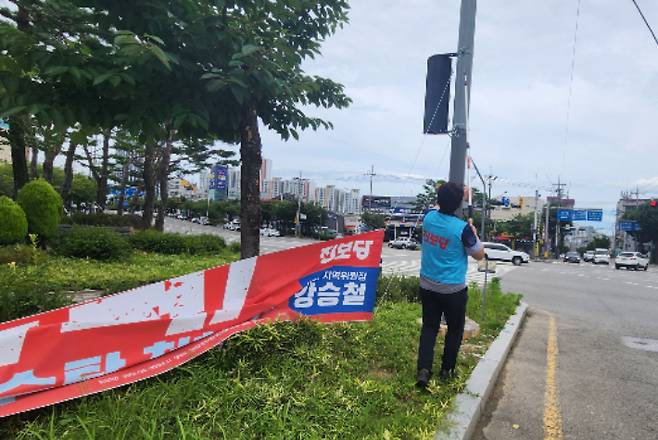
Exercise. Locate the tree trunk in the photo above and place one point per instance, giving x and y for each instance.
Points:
(101, 190)
(163, 181)
(149, 184)
(34, 161)
(250, 210)
(124, 183)
(16, 137)
(68, 174)
(48, 160)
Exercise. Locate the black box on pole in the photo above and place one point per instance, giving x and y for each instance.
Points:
(437, 94)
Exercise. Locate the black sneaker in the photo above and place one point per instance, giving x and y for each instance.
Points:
(423, 378)
(447, 375)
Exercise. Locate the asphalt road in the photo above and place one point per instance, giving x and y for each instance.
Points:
(606, 369)
(394, 261)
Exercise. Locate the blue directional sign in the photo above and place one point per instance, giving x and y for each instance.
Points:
(4, 125)
(579, 214)
(629, 226)
(565, 215)
(595, 215)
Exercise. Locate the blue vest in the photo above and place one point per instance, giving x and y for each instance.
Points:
(444, 259)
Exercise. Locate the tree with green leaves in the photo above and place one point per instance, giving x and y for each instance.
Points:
(647, 217)
(264, 80)
(519, 227)
(427, 198)
(373, 220)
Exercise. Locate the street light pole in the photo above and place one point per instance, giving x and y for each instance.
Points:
(298, 226)
(459, 143)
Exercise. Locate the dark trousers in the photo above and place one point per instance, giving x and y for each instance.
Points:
(453, 307)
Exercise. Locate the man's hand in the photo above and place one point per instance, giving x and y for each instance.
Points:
(475, 231)
(479, 254)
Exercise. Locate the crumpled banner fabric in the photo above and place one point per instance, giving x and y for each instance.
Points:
(119, 339)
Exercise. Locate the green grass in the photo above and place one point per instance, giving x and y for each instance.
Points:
(284, 380)
(32, 288)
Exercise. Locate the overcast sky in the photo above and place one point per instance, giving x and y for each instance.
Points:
(522, 61)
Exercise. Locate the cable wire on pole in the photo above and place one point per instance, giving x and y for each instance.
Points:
(573, 68)
(653, 34)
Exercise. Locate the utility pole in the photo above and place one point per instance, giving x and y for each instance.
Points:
(459, 141)
(559, 185)
(298, 226)
(547, 237)
(535, 249)
(490, 179)
(371, 174)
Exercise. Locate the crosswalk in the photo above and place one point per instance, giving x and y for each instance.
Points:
(411, 267)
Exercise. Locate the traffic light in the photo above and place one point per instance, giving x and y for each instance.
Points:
(653, 203)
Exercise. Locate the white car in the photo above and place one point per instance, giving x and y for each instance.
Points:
(601, 256)
(500, 252)
(632, 260)
(403, 243)
(269, 232)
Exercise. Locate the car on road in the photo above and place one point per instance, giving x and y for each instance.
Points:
(403, 243)
(601, 256)
(588, 256)
(572, 257)
(632, 260)
(233, 225)
(269, 232)
(500, 252)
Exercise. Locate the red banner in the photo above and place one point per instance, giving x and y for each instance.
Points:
(129, 336)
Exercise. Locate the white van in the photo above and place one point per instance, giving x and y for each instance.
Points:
(601, 256)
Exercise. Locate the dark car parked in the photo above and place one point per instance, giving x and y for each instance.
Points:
(572, 257)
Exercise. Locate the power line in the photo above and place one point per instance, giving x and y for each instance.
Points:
(645, 21)
(573, 68)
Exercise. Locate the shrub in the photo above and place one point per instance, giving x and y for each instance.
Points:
(393, 288)
(235, 246)
(20, 254)
(42, 206)
(161, 242)
(102, 219)
(22, 294)
(170, 243)
(205, 244)
(92, 242)
(13, 223)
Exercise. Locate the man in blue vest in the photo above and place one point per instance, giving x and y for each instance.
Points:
(447, 242)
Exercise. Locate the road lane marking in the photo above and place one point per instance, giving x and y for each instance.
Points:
(552, 416)
(641, 343)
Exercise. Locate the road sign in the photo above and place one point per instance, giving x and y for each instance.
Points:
(595, 215)
(592, 215)
(579, 214)
(629, 226)
(565, 215)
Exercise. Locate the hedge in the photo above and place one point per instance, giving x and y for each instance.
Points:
(43, 207)
(92, 242)
(102, 219)
(13, 223)
(170, 243)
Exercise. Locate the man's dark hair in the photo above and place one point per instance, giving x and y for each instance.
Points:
(449, 196)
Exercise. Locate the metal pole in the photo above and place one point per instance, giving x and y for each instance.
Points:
(484, 288)
(546, 235)
(462, 90)
(534, 226)
(484, 200)
(298, 226)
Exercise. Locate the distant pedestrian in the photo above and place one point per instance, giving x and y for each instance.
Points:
(447, 242)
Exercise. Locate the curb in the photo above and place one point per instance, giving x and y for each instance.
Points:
(470, 403)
